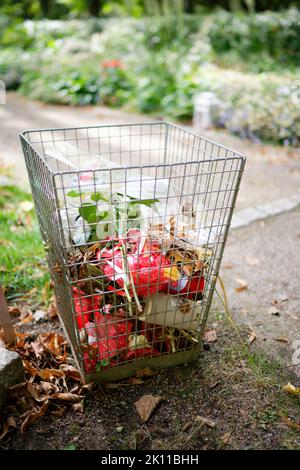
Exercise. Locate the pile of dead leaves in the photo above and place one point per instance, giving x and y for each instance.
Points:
(52, 382)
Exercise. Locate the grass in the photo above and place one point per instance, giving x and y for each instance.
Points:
(23, 270)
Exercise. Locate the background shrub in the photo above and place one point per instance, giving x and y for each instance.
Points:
(157, 65)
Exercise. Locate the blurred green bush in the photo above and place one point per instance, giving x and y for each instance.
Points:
(157, 64)
(276, 35)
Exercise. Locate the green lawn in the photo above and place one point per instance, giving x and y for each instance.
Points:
(23, 269)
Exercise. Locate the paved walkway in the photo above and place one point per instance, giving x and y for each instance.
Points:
(271, 184)
(266, 255)
(271, 173)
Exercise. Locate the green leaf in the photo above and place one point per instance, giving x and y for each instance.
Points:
(130, 197)
(102, 215)
(93, 236)
(133, 212)
(145, 202)
(105, 362)
(73, 193)
(87, 211)
(99, 197)
(92, 219)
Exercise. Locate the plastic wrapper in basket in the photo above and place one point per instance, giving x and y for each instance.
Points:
(135, 220)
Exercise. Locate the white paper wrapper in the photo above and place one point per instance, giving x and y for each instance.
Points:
(162, 309)
(133, 185)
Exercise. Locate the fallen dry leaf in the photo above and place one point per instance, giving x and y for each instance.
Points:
(227, 265)
(38, 348)
(187, 426)
(252, 261)
(26, 413)
(281, 339)
(49, 373)
(48, 387)
(21, 335)
(135, 380)
(78, 407)
(252, 337)
(291, 424)
(54, 342)
(208, 422)
(146, 405)
(76, 389)
(25, 317)
(210, 336)
(34, 391)
(14, 310)
(226, 438)
(52, 310)
(147, 372)
(33, 415)
(9, 425)
(71, 397)
(88, 387)
(30, 368)
(243, 285)
(59, 412)
(291, 389)
(70, 371)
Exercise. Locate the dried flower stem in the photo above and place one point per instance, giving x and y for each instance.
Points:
(227, 310)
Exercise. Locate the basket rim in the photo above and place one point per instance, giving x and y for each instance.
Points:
(168, 124)
(236, 154)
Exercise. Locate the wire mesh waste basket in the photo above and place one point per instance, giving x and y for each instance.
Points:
(134, 219)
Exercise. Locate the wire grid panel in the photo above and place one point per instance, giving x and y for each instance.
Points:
(134, 219)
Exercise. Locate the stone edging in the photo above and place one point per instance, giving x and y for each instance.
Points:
(262, 211)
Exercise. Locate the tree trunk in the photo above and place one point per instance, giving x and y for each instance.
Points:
(94, 7)
(45, 7)
(189, 5)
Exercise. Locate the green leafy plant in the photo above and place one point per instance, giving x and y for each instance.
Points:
(115, 217)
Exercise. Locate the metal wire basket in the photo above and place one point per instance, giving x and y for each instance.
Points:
(134, 220)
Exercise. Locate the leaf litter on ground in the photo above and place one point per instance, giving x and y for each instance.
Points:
(146, 405)
(243, 285)
(52, 383)
(210, 336)
(252, 336)
(291, 389)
